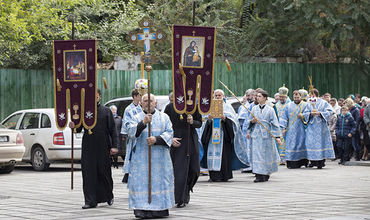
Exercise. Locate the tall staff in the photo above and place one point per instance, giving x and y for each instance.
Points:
(69, 101)
(146, 37)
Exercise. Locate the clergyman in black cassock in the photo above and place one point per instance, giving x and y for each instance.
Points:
(186, 168)
(226, 171)
(95, 158)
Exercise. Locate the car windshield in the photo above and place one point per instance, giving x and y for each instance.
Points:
(2, 126)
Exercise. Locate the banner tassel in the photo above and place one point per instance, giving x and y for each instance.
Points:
(105, 83)
(181, 70)
(228, 65)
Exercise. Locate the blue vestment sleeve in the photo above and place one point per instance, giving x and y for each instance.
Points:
(284, 119)
(248, 125)
(275, 125)
(326, 111)
(167, 135)
(132, 127)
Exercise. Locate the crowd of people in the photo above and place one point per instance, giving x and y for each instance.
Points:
(165, 151)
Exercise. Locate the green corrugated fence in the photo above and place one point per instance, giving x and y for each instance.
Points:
(24, 89)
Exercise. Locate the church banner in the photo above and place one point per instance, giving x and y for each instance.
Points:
(75, 73)
(193, 58)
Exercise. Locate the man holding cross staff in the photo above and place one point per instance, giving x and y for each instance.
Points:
(151, 180)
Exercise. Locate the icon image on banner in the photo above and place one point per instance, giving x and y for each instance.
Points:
(192, 50)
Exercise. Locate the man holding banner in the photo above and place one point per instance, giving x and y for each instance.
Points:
(76, 99)
(184, 153)
(95, 159)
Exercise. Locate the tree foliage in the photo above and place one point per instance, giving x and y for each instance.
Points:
(317, 30)
(328, 30)
(27, 28)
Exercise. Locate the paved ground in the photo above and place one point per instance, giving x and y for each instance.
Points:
(335, 192)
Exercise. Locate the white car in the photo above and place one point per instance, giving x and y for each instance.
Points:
(11, 149)
(44, 142)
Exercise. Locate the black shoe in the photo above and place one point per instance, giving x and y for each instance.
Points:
(266, 177)
(110, 202)
(180, 205)
(246, 171)
(87, 206)
(259, 178)
(125, 178)
(142, 214)
(188, 199)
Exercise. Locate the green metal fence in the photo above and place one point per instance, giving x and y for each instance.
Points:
(23, 89)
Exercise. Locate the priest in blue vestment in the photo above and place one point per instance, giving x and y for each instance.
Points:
(293, 125)
(265, 154)
(162, 177)
(318, 139)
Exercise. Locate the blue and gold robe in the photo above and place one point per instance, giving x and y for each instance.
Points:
(264, 152)
(295, 135)
(318, 140)
(162, 177)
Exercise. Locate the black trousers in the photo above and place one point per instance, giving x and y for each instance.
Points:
(344, 148)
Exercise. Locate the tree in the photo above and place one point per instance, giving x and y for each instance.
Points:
(27, 28)
(232, 41)
(109, 22)
(325, 29)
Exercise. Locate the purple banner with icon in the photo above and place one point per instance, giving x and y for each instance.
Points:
(193, 58)
(75, 74)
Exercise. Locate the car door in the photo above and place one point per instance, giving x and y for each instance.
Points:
(29, 127)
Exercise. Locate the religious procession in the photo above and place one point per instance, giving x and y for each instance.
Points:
(164, 148)
(197, 130)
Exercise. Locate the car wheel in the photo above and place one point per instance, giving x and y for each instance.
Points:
(7, 169)
(39, 159)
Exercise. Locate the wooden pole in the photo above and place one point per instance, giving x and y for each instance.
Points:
(73, 26)
(193, 12)
(148, 69)
(142, 66)
(72, 157)
(70, 110)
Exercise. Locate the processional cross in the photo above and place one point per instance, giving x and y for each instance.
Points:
(146, 37)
